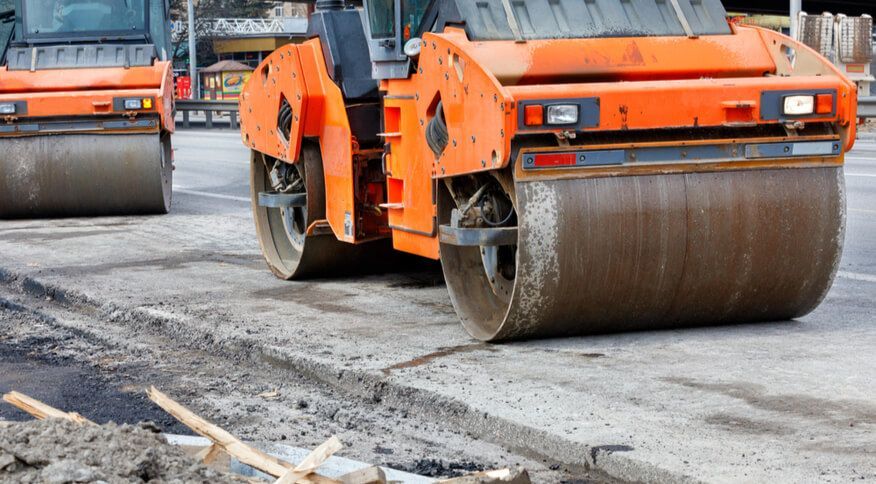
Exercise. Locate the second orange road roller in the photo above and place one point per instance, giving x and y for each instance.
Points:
(577, 167)
(86, 108)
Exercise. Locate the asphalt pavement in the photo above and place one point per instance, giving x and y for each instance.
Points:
(780, 402)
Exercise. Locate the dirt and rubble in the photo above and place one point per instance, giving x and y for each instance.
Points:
(90, 365)
(60, 452)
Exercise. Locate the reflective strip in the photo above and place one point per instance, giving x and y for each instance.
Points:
(30, 127)
(780, 150)
(813, 149)
(579, 158)
(680, 154)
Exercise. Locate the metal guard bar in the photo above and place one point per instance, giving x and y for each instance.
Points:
(36, 126)
(477, 237)
(708, 153)
(282, 200)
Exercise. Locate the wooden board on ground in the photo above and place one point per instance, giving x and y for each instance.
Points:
(232, 445)
(40, 410)
(368, 475)
(500, 476)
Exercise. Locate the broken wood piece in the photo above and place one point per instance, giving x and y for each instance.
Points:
(368, 475)
(227, 442)
(244, 453)
(209, 454)
(40, 410)
(271, 395)
(499, 476)
(313, 460)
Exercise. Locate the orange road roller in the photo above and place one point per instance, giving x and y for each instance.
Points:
(577, 167)
(86, 108)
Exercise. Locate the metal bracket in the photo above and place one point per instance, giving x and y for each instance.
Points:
(682, 18)
(512, 21)
(282, 200)
(477, 237)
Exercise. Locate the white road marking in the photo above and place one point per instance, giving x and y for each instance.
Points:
(862, 210)
(186, 191)
(189, 135)
(867, 175)
(856, 276)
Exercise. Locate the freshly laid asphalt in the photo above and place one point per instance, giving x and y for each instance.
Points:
(789, 401)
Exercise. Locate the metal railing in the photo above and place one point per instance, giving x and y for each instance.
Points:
(187, 106)
(233, 27)
(243, 26)
(867, 107)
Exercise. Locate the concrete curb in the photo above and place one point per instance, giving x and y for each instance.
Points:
(371, 386)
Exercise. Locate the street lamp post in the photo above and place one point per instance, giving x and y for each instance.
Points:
(796, 8)
(193, 54)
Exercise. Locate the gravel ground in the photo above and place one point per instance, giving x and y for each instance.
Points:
(62, 452)
(91, 365)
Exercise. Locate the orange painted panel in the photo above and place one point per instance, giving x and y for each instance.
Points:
(68, 92)
(478, 110)
(622, 58)
(326, 117)
(166, 97)
(82, 79)
(298, 73)
(278, 77)
(410, 170)
(687, 103)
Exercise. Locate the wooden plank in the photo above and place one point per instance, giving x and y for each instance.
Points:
(40, 410)
(209, 454)
(499, 476)
(313, 460)
(368, 475)
(230, 444)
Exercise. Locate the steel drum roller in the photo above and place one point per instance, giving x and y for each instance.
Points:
(85, 175)
(598, 255)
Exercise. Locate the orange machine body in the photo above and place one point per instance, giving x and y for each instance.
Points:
(59, 95)
(645, 91)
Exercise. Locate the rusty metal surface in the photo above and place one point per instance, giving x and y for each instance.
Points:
(84, 175)
(671, 250)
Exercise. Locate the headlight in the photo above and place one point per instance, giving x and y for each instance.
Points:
(133, 104)
(560, 114)
(799, 105)
(7, 108)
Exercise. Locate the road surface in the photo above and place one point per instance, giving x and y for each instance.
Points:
(787, 401)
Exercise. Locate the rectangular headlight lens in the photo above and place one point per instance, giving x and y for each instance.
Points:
(799, 105)
(7, 108)
(133, 104)
(560, 114)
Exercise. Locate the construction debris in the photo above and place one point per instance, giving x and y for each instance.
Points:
(40, 410)
(500, 476)
(61, 451)
(65, 447)
(232, 445)
(368, 475)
